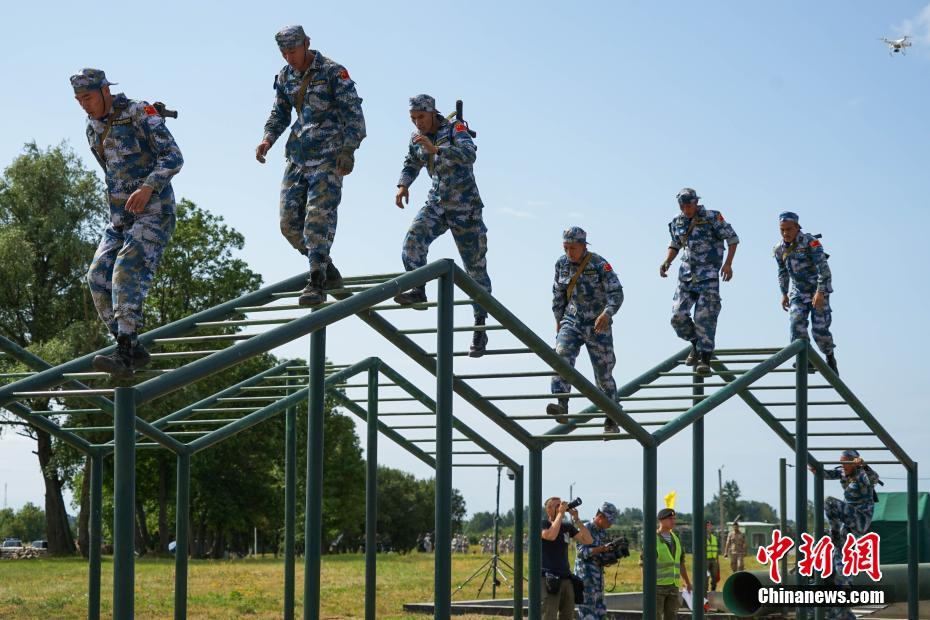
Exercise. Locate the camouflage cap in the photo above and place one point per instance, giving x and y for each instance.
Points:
(422, 103)
(665, 513)
(687, 195)
(290, 36)
(89, 79)
(788, 216)
(849, 454)
(609, 511)
(575, 234)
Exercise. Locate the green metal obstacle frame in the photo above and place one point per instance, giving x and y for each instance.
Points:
(664, 389)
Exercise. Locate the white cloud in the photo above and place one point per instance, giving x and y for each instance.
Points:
(918, 27)
(537, 203)
(526, 215)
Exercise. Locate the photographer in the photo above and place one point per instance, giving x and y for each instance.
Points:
(558, 593)
(591, 558)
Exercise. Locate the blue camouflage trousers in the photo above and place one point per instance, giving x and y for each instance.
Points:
(705, 297)
(600, 349)
(124, 266)
(844, 518)
(468, 231)
(801, 307)
(593, 607)
(310, 197)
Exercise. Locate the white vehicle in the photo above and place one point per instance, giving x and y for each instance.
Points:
(897, 45)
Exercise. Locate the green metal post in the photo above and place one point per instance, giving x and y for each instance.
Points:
(783, 506)
(444, 365)
(313, 507)
(182, 536)
(96, 531)
(650, 488)
(124, 501)
(534, 539)
(800, 457)
(819, 612)
(518, 543)
(371, 496)
(913, 543)
(698, 530)
(290, 506)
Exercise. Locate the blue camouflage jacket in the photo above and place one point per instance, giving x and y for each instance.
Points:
(138, 150)
(587, 562)
(451, 169)
(330, 120)
(703, 247)
(597, 289)
(805, 263)
(857, 488)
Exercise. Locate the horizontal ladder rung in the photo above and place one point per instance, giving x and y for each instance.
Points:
(63, 393)
(508, 375)
(791, 403)
(210, 338)
(840, 449)
(473, 328)
(491, 352)
(584, 437)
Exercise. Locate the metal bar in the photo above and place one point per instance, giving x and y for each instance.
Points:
(244, 322)
(818, 524)
(598, 437)
(86, 429)
(460, 426)
(698, 529)
(863, 412)
(182, 535)
(405, 413)
(313, 506)
(371, 496)
(470, 328)
(204, 422)
(512, 351)
(627, 389)
(95, 538)
(204, 338)
(62, 393)
(800, 451)
(760, 351)
(824, 419)
(444, 402)
(913, 542)
(433, 440)
(534, 539)
(507, 375)
(791, 403)
(783, 506)
(723, 394)
(124, 503)
(290, 508)
(159, 386)
(49, 427)
(518, 543)
(650, 488)
(385, 430)
(841, 448)
(68, 411)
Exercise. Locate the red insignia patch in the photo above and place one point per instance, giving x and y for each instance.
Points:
(607, 267)
(720, 217)
(815, 243)
(150, 110)
(460, 127)
(344, 74)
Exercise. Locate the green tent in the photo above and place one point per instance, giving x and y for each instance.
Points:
(890, 522)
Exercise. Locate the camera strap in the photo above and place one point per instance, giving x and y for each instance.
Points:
(574, 280)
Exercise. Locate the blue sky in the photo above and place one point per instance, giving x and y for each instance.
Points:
(590, 114)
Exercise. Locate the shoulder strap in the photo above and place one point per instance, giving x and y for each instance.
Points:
(98, 148)
(302, 91)
(684, 239)
(790, 249)
(574, 280)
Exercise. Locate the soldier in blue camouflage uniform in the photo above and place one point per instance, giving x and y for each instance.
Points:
(320, 151)
(701, 233)
(851, 515)
(591, 559)
(584, 316)
(801, 259)
(139, 157)
(448, 153)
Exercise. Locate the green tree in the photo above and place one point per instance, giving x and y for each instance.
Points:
(406, 508)
(51, 212)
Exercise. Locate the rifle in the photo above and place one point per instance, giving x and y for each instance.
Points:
(457, 115)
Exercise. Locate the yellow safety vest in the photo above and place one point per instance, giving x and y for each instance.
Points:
(712, 547)
(667, 567)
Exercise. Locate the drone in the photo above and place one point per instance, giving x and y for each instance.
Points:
(897, 45)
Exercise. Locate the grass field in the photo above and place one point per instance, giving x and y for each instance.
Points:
(253, 588)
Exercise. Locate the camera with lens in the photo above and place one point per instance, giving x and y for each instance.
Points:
(574, 503)
(617, 549)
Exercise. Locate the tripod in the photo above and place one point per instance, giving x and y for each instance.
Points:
(492, 566)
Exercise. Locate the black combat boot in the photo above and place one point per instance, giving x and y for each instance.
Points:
(118, 364)
(692, 358)
(479, 339)
(313, 294)
(333, 277)
(610, 426)
(559, 410)
(831, 362)
(412, 297)
(140, 355)
(703, 366)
